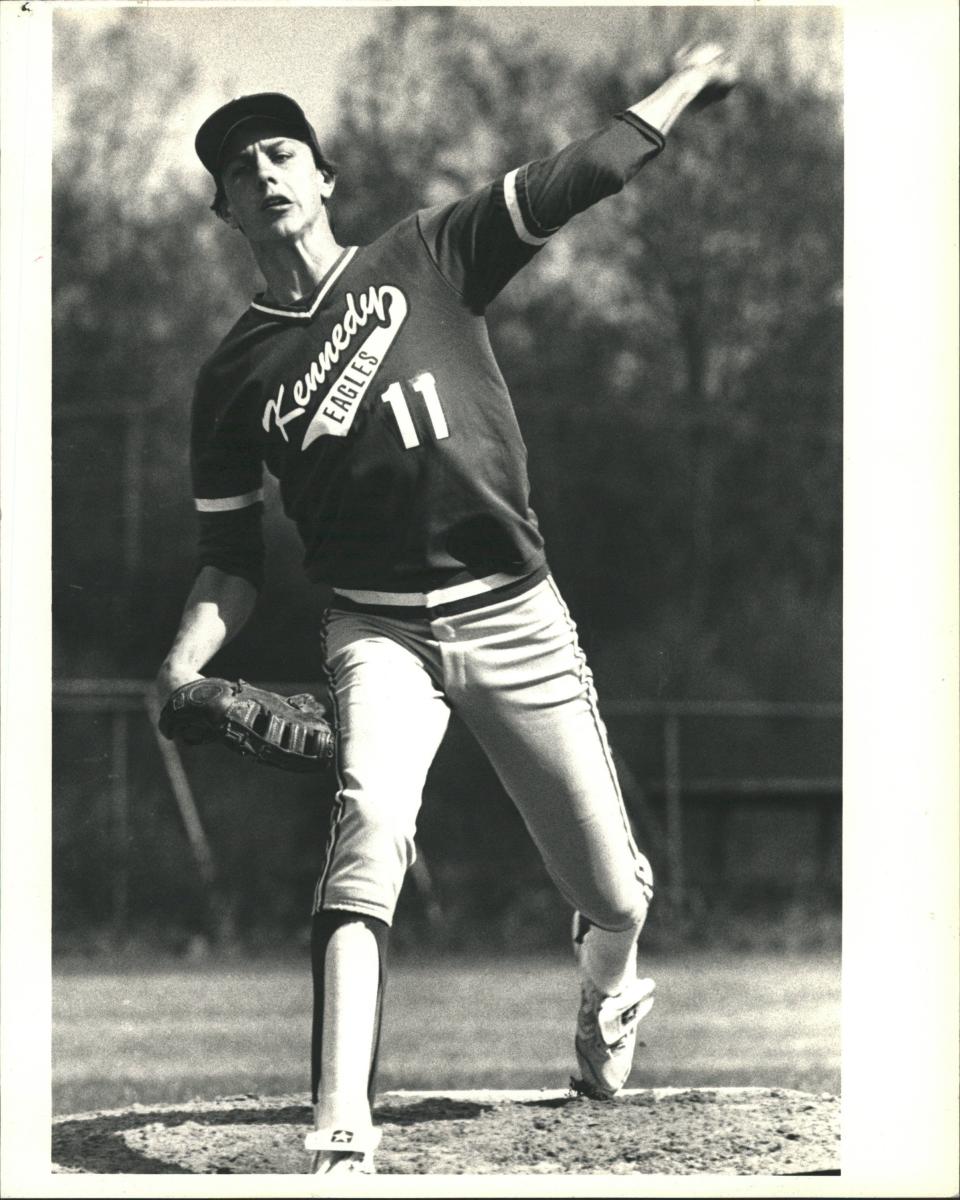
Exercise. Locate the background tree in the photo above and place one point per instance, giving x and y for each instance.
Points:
(131, 307)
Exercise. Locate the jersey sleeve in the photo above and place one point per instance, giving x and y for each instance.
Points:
(227, 474)
(479, 243)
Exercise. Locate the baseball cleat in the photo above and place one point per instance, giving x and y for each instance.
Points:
(607, 1035)
(607, 1030)
(341, 1150)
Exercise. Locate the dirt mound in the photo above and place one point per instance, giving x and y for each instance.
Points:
(672, 1131)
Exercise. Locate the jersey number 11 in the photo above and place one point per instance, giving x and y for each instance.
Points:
(426, 386)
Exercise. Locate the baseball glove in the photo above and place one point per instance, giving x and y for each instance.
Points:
(289, 732)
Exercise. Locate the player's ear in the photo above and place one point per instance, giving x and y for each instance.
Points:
(226, 215)
(327, 184)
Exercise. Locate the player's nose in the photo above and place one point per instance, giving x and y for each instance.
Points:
(264, 167)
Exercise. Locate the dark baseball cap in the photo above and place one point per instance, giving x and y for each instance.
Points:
(265, 106)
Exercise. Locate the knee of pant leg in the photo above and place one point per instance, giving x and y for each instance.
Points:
(645, 876)
(644, 888)
(628, 908)
(367, 858)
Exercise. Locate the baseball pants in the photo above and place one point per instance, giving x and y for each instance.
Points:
(513, 671)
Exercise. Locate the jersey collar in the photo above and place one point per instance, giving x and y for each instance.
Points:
(298, 312)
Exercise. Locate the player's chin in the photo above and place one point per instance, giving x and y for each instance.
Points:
(278, 224)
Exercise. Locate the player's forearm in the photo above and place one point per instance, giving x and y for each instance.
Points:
(217, 608)
(662, 107)
(704, 70)
(551, 190)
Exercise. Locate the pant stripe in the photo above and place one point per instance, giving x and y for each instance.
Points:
(336, 814)
(587, 681)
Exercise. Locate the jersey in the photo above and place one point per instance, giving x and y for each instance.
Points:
(377, 401)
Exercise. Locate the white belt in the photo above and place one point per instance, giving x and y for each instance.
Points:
(459, 591)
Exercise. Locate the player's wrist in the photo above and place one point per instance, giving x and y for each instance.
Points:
(691, 80)
(703, 73)
(173, 675)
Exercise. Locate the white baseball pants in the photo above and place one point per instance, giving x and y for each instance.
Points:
(514, 672)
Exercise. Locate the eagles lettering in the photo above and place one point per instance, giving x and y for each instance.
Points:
(335, 413)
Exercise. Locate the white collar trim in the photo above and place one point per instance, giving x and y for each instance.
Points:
(300, 315)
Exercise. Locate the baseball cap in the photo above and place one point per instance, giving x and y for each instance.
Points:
(272, 106)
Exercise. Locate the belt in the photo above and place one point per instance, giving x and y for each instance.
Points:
(475, 590)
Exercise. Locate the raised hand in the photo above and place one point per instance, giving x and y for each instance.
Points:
(714, 64)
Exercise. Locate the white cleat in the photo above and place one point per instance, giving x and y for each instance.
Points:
(342, 1150)
(607, 1032)
(607, 1035)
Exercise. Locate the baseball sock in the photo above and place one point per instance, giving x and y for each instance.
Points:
(348, 987)
(610, 959)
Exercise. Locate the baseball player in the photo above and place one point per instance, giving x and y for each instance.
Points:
(363, 378)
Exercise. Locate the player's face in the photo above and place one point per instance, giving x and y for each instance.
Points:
(274, 189)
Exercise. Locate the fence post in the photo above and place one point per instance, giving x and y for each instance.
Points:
(219, 915)
(671, 766)
(119, 804)
(183, 794)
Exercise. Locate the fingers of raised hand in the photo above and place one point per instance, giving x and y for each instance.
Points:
(708, 56)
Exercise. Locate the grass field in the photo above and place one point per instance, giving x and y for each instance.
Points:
(166, 1034)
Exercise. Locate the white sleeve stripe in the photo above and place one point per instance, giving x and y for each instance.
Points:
(229, 503)
(513, 208)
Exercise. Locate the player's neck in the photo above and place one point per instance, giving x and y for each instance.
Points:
(292, 269)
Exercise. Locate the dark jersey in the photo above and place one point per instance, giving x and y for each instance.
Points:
(377, 403)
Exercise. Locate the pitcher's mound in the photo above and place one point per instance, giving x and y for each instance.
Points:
(659, 1131)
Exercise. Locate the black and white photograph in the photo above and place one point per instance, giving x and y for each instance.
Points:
(474, 747)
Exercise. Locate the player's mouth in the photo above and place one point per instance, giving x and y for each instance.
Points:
(274, 203)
